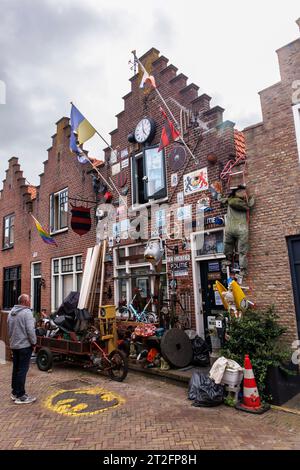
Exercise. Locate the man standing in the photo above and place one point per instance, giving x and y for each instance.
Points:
(22, 338)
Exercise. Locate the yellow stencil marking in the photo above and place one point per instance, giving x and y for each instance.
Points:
(83, 401)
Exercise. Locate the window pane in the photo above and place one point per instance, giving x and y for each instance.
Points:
(63, 208)
(122, 283)
(56, 292)
(56, 266)
(78, 282)
(213, 243)
(66, 265)
(37, 269)
(121, 256)
(154, 171)
(78, 263)
(136, 254)
(67, 285)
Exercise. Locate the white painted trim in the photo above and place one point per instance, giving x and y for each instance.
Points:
(296, 112)
(32, 277)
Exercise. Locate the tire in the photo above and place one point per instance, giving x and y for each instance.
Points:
(119, 369)
(44, 359)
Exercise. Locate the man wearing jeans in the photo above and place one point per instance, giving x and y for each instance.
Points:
(22, 338)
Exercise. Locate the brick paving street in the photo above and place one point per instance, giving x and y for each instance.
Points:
(152, 415)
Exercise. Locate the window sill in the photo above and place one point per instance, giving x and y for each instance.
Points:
(148, 204)
(7, 248)
(57, 232)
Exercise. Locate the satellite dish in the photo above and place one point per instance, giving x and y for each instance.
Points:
(177, 157)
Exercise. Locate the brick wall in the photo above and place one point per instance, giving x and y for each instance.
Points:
(273, 177)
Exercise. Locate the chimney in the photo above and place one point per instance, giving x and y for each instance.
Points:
(298, 22)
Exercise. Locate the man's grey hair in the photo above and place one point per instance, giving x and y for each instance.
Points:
(23, 298)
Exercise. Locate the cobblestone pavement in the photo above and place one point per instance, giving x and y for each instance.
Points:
(143, 413)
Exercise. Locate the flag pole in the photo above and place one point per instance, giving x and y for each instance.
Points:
(96, 169)
(165, 104)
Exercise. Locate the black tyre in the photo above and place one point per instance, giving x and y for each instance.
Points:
(119, 365)
(44, 359)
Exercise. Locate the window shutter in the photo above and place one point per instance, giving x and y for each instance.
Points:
(134, 179)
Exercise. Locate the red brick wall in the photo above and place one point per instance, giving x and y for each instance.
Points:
(273, 177)
(61, 170)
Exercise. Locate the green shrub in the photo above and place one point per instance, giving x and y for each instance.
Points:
(258, 334)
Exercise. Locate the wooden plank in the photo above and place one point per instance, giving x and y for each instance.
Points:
(102, 273)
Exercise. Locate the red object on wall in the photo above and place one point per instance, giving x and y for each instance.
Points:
(108, 196)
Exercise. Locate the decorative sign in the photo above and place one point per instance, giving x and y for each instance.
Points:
(195, 181)
(215, 189)
(218, 300)
(203, 203)
(213, 276)
(125, 163)
(124, 153)
(160, 223)
(213, 267)
(177, 157)
(172, 259)
(115, 169)
(174, 179)
(113, 157)
(121, 179)
(34, 254)
(180, 198)
(214, 221)
(180, 269)
(184, 213)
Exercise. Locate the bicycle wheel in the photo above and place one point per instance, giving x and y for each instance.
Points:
(119, 365)
(125, 314)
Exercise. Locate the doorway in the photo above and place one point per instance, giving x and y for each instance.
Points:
(36, 278)
(294, 256)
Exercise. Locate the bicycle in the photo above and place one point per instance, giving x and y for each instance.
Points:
(176, 320)
(131, 313)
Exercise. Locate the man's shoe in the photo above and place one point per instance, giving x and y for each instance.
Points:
(25, 399)
(13, 397)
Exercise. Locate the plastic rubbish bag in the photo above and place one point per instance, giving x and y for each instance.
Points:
(200, 352)
(204, 391)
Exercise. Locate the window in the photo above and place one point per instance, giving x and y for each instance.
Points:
(66, 277)
(213, 243)
(11, 286)
(59, 210)
(148, 176)
(132, 272)
(8, 231)
(296, 111)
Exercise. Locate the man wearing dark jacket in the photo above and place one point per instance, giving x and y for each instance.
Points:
(22, 338)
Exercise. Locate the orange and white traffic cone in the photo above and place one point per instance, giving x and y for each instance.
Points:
(251, 399)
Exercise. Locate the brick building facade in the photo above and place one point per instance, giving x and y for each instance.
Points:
(27, 263)
(273, 154)
(212, 141)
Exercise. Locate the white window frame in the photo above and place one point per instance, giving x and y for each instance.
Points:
(60, 275)
(127, 266)
(137, 206)
(11, 228)
(296, 113)
(53, 230)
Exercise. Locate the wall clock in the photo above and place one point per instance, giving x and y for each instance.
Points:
(145, 130)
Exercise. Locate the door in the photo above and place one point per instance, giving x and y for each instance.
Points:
(37, 295)
(294, 256)
(36, 278)
(210, 271)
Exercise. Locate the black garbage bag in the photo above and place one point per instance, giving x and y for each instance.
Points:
(200, 352)
(204, 391)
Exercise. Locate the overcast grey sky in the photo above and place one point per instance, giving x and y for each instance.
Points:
(55, 51)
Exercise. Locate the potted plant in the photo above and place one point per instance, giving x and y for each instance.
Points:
(259, 334)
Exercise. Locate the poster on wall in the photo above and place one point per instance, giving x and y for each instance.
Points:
(195, 181)
(184, 213)
(115, 169)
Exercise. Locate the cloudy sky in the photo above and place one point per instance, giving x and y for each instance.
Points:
(55, 51)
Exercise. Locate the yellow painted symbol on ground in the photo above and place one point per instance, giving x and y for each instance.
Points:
(83, 401)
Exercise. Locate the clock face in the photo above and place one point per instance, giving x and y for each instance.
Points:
(144, 130)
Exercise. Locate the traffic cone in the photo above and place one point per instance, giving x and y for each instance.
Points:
(251, 399)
